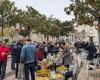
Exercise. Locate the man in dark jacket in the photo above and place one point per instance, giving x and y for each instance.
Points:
(17, 56)
(91, 50)
(12, 49)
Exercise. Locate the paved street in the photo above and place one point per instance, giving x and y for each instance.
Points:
(86, 74)
(9, 72)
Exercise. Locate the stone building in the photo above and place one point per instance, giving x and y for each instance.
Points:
(86, 33)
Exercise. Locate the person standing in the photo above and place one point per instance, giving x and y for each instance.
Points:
(12, 49)
(91, 50)
(4, 52)
(98, 57)
(28, 59)
(45, 49)
(67, 59)
(78, 46)
(17, 58)
(39, 53)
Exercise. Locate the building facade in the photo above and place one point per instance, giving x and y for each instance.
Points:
(86, 33)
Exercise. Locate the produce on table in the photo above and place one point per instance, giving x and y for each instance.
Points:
(61, 69)
(58, 77)
(45, 73)
(42, 78)
(45, 63)
(42, 72)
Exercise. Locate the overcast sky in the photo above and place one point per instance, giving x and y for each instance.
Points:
(47, 7)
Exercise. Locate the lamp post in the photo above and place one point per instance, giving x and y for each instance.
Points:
(97, 26)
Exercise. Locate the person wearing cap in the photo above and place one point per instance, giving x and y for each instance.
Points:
(28, 59)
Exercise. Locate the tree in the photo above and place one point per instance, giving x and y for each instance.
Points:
(29, 19)
(55, 30)
(6, 11)
(53, 26)
(66, 27)
(41, 24)
(85, 11)
(16, 17)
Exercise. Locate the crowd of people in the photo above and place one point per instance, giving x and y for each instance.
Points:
(25, 55)
(92, 51)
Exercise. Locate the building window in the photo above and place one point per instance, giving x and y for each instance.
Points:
(91, 39)
(83, 33)
(91, 31)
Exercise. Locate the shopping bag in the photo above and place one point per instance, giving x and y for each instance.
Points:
(68, 74)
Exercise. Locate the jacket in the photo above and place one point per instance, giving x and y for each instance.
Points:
(28, 53)
(39, 54)
(13, 48)
(5, 50)
(18, 53)
(67, 60)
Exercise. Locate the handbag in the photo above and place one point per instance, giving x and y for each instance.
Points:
(68, 74)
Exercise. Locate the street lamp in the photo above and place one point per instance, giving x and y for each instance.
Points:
(97, 26)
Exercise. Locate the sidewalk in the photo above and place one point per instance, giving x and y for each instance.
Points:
(12, 77)
(86, 74)
(10, 74)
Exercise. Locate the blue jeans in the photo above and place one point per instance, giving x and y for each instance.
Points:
(29, 67)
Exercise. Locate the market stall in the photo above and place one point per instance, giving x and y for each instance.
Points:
(52, 69)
